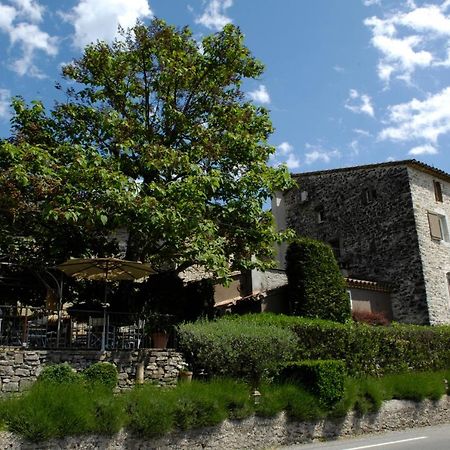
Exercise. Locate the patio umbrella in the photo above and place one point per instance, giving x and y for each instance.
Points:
(105, 269)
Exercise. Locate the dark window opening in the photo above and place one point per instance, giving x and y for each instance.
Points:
(368, 196)
(437, 191)
(336, 247)
(320, 214)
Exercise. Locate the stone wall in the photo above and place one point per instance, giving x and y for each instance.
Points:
(258, 433)
(367, 215)
(20, 367)
(435, 253)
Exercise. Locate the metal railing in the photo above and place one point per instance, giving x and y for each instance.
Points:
(32, 327)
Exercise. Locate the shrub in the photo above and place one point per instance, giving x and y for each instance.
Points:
(230, 348)
(366, 350)
(51, 410)
(325, 379)
(59, 373)
(103, 373)
(150, 410)
(316, 287)
(415, 386)
(371, 318)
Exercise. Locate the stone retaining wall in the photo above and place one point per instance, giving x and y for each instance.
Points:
(20, 367)
(257, 433)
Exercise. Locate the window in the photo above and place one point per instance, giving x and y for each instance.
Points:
(438, 227)
(448, 282)
(368, 196)
(336, 245)
(437, 191)
(320, 214)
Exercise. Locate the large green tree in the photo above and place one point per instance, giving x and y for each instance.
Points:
(156, 136)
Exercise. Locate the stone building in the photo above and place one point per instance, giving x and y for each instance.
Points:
(387, 223)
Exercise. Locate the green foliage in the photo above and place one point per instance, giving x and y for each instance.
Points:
(316, 287)
(103, 373)
(150, 411)
(292, 398)
(157, 136)
(325, 379)
(233, 349)
(366, 350)
(59, 373)
(154, 411)
(415, 386)
(51, 410)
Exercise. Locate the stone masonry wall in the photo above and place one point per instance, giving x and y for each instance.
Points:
(368, 215)
(435, 253)
(258, 433)
(20, 367)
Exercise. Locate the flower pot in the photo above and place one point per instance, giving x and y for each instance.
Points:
(160, 339)
(185, 376)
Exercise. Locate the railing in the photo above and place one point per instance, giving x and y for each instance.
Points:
(41, 328)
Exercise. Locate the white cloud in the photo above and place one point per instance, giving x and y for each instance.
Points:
(292, 162)
(361, 132)
(29, 9)
(99, 19)
(371, 2)
(27, 35)
(5, 98)
(359, 103)
(214, 16)
(424, 120)
(338, 69)
(317, 153)
(260, 95)
(410, 38)
(7, 16)
(354, 147)
(426, 149)
(285, 148)
(428, 18)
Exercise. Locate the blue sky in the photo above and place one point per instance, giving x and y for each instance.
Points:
(348, 82)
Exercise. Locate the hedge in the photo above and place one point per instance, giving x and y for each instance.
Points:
(316, 287)
(323, 378)
(365, 349)
(240, 350)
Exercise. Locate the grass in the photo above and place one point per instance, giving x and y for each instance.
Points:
(51, 410)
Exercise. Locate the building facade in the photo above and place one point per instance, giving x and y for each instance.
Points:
(386, 223)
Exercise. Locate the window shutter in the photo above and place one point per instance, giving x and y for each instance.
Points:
(437, 191)
(435, 226)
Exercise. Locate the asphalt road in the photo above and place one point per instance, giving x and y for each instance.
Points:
(433, 438)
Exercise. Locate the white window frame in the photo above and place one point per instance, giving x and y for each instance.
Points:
(444, 235)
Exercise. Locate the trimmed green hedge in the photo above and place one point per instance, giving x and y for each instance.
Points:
(365, 349)
(316, 287)
(325, 379)
(240, 350)
(103, 373)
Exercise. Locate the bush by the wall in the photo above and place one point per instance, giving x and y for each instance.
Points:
(371, 318)
(50, 410)
(59, 373)
(103, 373)
(234, 349)
(316, 287)
(366, 350)
(324, 378)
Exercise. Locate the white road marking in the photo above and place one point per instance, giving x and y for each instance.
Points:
(387, 443)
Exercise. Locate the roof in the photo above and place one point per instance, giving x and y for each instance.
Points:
(413, 163)
(368, 285)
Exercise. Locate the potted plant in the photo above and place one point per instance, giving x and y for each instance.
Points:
(158, 327)
(185, 374)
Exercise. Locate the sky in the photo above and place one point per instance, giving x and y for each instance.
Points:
(348, 82)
